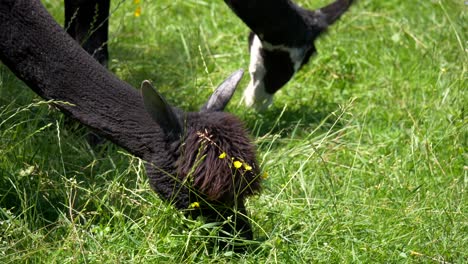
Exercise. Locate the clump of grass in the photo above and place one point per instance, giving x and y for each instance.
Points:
(365, 149)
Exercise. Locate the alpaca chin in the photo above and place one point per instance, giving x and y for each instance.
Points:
(256, 96)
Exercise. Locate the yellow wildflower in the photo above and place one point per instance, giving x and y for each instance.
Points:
(136, 2)
(222, 155)
(247, 167)
(237, 164)
(137, 12)
(194, 205)
(265, 175)
(415, 253)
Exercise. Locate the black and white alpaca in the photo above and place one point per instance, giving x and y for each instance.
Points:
(181, 149)
(281, 41)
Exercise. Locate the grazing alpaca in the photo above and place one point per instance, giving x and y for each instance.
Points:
(281, 42)
(204, 157)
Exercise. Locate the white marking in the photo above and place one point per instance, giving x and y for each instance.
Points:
(320, 19)
(296, 54)
(255, 94)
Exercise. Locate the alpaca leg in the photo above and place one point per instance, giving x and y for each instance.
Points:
(87, 22)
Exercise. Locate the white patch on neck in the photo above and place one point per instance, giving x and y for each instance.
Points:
(255, 94)
(320, 19)
(296, 54)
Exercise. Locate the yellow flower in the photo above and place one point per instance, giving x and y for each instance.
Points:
(237, 164)
(137, 12)
(194, 205)
(414, 253)
(136, 2)
(247, 167)
(264, 175)
(222, 155)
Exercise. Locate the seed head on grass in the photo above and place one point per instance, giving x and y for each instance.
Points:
(236, 162)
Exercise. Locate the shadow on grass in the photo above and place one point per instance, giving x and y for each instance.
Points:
(288, 119)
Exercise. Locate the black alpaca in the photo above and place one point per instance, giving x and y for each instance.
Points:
(204, 157)
(281, 41)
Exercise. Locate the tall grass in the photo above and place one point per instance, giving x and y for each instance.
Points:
(365, 149)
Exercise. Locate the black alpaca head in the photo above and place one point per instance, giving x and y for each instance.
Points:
(210, 151)
(205, 158)
(218, 159)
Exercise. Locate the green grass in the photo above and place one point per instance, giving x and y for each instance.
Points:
(365, 148)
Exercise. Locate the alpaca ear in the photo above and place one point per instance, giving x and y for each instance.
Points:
(327, 15)
(221, 96)
(159, 109)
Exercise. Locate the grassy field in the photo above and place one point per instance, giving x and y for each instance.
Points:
(365, 149)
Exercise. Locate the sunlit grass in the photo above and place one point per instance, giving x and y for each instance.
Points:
(364, 151)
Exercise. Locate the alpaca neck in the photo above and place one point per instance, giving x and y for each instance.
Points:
(282, 22)
(52, 64)
(274, 21)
